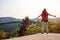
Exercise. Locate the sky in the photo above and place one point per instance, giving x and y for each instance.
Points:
(30, 8)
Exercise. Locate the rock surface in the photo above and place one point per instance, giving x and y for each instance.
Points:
(39, 36)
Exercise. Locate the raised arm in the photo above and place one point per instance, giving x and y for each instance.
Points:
(52, 15)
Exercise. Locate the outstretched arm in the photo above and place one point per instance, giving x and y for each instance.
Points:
(52, 15)
(38, 16)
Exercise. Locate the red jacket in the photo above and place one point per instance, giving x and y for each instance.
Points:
(44, 16)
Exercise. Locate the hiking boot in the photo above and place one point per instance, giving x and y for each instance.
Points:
(42, 32)
(47, 32)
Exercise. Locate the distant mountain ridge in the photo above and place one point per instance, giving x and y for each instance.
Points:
(11, 19)
(14, 23)
(56, 20)
(8, 19)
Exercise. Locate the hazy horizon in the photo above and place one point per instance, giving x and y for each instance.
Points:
(31, 8)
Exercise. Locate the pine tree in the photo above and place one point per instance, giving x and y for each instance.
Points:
(26, 22)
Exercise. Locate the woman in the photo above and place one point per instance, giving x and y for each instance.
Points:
(45, 19)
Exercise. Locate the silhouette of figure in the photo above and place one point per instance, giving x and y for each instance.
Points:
(44, 16)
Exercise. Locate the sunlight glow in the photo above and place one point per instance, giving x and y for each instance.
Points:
(31, 8)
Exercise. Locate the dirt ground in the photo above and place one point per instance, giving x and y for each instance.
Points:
(39, 36)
